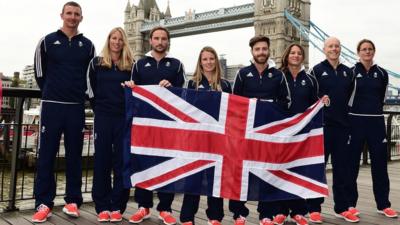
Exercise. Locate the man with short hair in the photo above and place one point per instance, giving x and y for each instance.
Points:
(263, 81)
(336, 81)
(157, 67)
(61, 61)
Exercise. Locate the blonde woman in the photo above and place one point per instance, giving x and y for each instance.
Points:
(105, 75)
(207, 77)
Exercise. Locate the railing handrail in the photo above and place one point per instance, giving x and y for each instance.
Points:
(21, 92)
(391, 112)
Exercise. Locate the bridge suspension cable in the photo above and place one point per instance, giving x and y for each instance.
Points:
(316, 36)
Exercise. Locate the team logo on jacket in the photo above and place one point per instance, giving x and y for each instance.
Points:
(358, 76)
(147, 64)
(201, 86)
(57, 42)
(167, 64)
(384, 141)
(270, 75)
(324, 74)
(249, 75)
(80, 43)
(303, 82)
(344, 74)
(43, 129)
(375, 75)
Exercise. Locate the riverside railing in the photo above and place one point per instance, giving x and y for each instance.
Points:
(19, 151)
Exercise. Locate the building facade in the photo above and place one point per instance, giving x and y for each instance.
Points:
(28, 76)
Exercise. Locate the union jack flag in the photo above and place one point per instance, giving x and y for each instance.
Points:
(222, 145)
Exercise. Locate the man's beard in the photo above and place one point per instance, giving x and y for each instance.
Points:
(261, 61)
(160, 51)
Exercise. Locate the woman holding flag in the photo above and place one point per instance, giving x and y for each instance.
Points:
(304, 92)
(207, 77)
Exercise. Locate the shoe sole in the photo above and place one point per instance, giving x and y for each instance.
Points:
(139, 221)
(41, 221)
(116, 220)
(314, 221)
(208, 223)
(76, 215)
(351, 221)
(279, 223)
(102, 221)
(159, 217)
(383, 213)
(294, 221)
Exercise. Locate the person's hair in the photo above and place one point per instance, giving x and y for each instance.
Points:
(285, 56)
(159, 28)
(215, 78)
(364, 41)
(71, 3)
(258, 38)
(126, 57)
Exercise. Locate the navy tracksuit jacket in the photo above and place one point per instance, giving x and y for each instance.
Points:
(107, 98)
(304, 93)
(147, 71)
(60, 71)
(367, 126)
(271, 85)
(338, 85)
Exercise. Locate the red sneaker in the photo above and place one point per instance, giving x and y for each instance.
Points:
(115, 216)
(140, 215)
(299, 220)
(354, 211)
(316, 217)
(188, 223)
(389, 212)
(214, 222)
(42, 213)
(348, 216)
(266, 221)
(103, 216)
(71, 209)
(240, 221)
(279, 219)
(167, 218)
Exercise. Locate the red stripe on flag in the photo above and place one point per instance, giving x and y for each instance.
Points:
(235, 148)
(172, 174)
(300, 182)
(279, 127)
(234, 151)
(163, 104)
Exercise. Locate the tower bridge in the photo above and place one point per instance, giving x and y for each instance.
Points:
(283, 21)
(266, 16)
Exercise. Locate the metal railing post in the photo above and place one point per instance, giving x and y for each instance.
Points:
(15, 153)
(389, 136)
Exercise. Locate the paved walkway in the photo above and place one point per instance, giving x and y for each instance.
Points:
(366, 205)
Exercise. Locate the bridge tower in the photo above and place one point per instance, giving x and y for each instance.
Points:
(135, 17)
(269, 20)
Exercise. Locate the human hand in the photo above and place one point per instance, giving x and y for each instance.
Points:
(326, 100)
(129, 83)
(165, 83)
